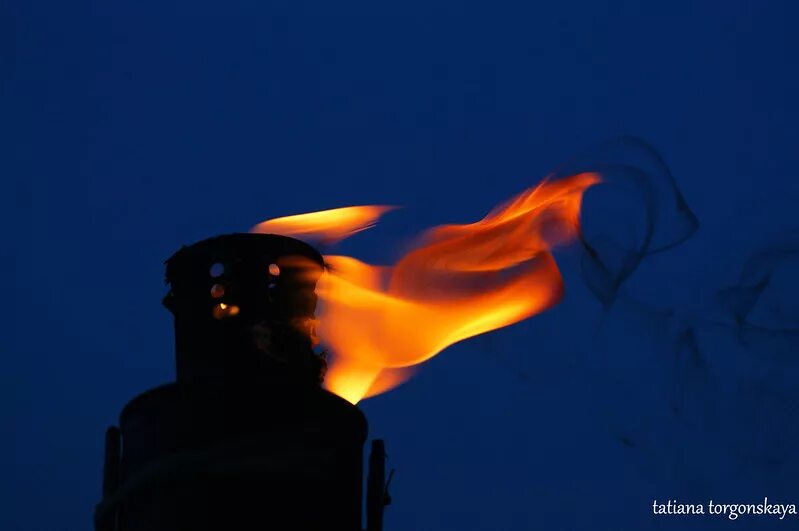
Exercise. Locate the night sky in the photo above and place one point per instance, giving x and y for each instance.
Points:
(131, 128)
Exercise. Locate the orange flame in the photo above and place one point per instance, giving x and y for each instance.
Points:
(458, 282)
(327, 226)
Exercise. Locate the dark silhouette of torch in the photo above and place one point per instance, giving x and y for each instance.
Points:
(246, 438)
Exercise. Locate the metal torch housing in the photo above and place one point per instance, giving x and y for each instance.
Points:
(246, 437)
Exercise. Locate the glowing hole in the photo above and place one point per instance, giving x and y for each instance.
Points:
(217, 291)
(224, 311)
(274, 270)
(216, 270)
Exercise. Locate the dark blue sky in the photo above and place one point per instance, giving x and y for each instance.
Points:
(131, 128)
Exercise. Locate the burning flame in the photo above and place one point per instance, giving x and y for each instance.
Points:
(457, 282)
(328, 226)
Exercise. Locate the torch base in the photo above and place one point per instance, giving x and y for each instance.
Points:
(198, 458)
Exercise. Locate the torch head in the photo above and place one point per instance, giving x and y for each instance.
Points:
(244, 309)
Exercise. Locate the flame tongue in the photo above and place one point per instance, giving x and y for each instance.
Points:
(459, 281)
(327, 226)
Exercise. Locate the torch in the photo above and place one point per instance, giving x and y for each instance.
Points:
(245, 437)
